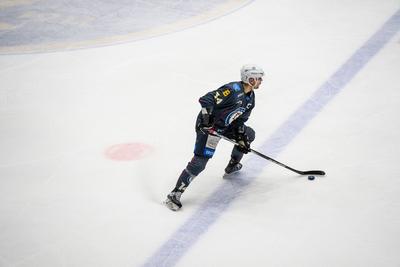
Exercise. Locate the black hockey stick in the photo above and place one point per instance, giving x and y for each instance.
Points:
(313, 172)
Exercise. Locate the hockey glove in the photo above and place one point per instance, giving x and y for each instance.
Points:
(243, 140)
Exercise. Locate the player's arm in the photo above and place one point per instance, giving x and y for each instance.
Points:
(216, 98)
(213, 100)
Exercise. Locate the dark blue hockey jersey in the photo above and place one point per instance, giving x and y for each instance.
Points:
(230, 105)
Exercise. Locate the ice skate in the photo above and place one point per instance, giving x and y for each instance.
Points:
(173, 201)
(232, 167)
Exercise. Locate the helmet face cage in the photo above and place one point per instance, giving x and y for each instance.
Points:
(251, 71)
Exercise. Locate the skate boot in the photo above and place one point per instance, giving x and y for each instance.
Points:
(173, 201)
(233, 166)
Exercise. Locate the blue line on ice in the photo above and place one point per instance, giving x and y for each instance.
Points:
(186, 235)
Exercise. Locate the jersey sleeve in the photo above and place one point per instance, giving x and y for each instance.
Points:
(216, 98)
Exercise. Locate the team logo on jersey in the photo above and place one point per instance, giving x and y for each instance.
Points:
(234, 115)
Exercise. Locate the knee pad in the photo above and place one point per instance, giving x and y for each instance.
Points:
(197, 165)
(251, 134)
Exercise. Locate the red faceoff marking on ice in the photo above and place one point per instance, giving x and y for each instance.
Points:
(128, 151)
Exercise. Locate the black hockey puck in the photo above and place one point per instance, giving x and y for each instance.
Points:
(311, 177)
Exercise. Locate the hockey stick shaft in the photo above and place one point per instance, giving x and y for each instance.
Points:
(312, 172)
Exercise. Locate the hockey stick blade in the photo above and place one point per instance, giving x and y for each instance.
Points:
(314, 172)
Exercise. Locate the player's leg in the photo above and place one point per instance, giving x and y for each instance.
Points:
(234, 164)
(204, 150)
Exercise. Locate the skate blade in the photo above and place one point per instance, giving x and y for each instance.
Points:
(231, 174)
(171, 205)
(226, 175)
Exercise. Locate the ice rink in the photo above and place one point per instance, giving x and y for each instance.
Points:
(97, 109)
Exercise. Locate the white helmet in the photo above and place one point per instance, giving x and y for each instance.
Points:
(251, 71)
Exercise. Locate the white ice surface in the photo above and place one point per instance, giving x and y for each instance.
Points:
(64, 203)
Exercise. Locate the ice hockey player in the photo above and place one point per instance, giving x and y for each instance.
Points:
(224, 111)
